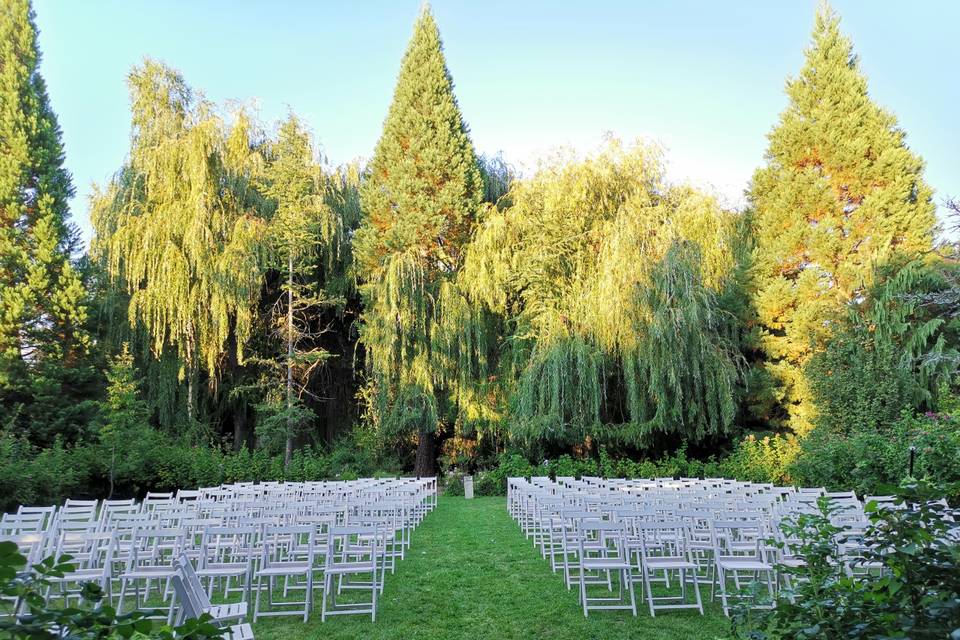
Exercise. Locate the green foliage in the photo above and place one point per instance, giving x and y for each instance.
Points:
(124, 416)
(420, 201)
(896, 350)
(840, 193)
(762, 459)
(868, 459)
(858, 383)
(179, 227)
(612, 288)
(91, 619)
(44, 340)
(307, 238)
(917, 595)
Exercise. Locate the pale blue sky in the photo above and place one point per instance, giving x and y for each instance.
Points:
(705, 79)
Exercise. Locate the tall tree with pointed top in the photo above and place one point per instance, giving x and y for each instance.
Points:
(42, 297)
(420, 203)
(840, 194)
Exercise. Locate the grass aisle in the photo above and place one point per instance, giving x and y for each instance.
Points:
(470, 574)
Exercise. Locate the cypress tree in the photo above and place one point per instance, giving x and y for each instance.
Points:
(840, 195)
(419, 202)
(42, 297)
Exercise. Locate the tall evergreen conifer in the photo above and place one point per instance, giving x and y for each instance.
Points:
(840, 195)
(419, 206)
(42, 298)
(308, 241)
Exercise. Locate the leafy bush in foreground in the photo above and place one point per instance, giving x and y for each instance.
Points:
(91, 619)
(916, 595)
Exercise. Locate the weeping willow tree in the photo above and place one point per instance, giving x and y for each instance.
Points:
(179, 228)
(420, 201)
(611, 283)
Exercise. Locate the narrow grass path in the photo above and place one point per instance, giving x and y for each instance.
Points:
(470, 574)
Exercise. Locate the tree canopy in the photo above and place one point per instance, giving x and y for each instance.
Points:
(611, 283)
(438, 305)
(420, 202)
(840, 194)
(43, 300)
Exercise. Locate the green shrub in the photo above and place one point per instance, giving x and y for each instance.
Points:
(916, 596)
(567, 466)
(868, 459)
(859, 383)
(16, 486)
(485, 483)
(452, 484)
(766, 459)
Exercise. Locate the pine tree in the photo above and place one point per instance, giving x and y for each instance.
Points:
(419, 202)
(840, 195)
(42, 297)
(308, 241)
(124, 419)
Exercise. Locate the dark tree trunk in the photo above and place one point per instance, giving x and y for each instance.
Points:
(288, 449)
(425, 465)
(239, 427)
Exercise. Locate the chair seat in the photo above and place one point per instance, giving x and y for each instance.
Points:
(284, 568)
(746, 564)
(670, 563)
(220, 570)
(240, 632)
(85, 575)
(349, 567)
(148, 572)
(605, 563)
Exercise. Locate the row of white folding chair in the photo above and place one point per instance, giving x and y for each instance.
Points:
(126, 518)
(543, 526)
(154, 554)
(148, 556)
(537, 524)
(593, 550)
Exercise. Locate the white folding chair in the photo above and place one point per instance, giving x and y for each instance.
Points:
(288, 553)
(602, 550)
(664, 547)
(738, 548)
(352, 552)
(92, 555)
(153, 555)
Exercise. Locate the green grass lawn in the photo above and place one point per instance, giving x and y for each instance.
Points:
(471, 574)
